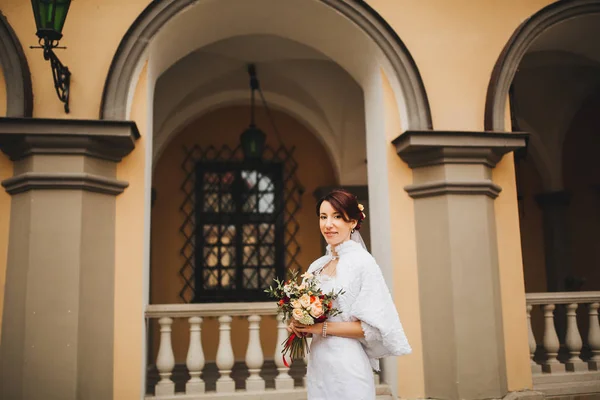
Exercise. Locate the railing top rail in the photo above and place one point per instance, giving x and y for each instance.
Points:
(562, 297)
(210, 310)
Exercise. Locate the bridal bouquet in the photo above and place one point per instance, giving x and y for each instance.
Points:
(304, 302)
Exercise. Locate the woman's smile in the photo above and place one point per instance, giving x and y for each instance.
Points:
(335, 226)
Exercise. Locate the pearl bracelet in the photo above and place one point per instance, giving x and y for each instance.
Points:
(324, 333)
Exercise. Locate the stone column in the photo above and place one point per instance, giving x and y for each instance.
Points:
(57, 338)
(457, 255)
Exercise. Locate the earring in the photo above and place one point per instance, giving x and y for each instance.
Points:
(353, 230)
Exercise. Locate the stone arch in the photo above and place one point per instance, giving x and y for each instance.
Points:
(16, 72)
(131, 50)
(306, 117)
(514, 50)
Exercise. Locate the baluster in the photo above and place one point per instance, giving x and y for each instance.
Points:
(165, 362)
(535, 368)
(225, 360)
(283, 380)
(573, 341)
(551, 343)
(594, 337)
(195, 358)
(254, 355)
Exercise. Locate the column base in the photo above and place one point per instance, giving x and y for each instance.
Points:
(577, 366)
(225, 385)
(554, 368)
(195, 388)
(165, 389)
(284, 383)
(255, 384)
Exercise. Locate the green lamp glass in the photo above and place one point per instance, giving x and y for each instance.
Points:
(50, 16)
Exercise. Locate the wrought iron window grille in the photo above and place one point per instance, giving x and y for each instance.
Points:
(239, 223)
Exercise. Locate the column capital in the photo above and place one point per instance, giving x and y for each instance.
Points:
(107, 140)
(26, 140)
(425, 148)
(442, 151)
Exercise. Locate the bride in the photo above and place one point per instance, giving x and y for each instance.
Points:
(347, 347)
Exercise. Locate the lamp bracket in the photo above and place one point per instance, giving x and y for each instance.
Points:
(60, 73)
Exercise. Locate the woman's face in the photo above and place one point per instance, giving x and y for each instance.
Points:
(333, 227)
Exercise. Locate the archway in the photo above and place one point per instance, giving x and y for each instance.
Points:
(549, 73)
(194, 55)
(16, 73)
(518, 45)
(358, 18)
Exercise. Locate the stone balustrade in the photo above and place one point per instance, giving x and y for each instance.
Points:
(254, 386)
(195, 361)
(565, 361)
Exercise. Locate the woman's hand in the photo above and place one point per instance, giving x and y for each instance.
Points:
(291, 328)
(303, 330)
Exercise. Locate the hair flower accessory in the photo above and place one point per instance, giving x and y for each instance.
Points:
(362, 209)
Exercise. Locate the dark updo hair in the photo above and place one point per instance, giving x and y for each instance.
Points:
(345, 203)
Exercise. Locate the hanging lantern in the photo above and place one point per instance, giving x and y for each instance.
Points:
(253, 142)
(253, 139)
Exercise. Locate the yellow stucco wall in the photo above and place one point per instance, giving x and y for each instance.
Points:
(512, 288)
(6, 171)
(219, 128)
(455, 45)
(129, 348)
(92, 33)
(411, 379)
(463, 36)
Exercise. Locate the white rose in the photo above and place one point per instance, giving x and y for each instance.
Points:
(305, 301)
(296, 304)
(298, 314)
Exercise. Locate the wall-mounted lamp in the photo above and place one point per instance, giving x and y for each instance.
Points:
(50, 16)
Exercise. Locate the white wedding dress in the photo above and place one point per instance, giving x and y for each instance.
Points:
(342, 368)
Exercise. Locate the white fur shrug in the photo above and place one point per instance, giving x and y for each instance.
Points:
(366, 299)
